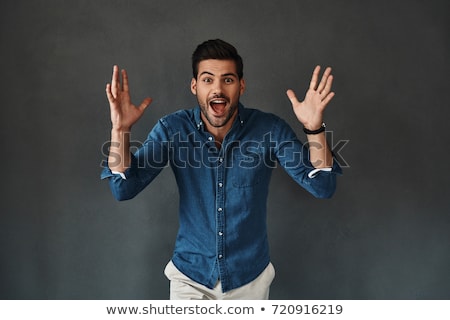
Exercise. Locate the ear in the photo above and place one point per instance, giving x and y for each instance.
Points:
(194, 86)
(242, 83)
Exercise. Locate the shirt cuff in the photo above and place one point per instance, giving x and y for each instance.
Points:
(120, 174)
(313, 173)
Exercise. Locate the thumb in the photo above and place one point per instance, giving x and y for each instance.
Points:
(291, 95)
(145, 103)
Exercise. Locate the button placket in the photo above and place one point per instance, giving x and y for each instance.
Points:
(220, 217)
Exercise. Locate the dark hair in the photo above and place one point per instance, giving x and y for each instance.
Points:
(216, 49)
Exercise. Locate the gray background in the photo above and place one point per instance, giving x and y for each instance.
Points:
(385, 234)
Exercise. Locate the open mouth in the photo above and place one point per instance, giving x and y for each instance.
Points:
(218, 106)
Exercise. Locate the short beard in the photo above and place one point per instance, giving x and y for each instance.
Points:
(214, 121)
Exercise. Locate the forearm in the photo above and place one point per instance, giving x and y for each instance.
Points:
(119, 158)
(319, 152)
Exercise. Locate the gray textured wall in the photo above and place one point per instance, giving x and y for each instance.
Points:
(385, 234)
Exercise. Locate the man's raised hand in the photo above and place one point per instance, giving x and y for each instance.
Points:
(124, 114)
(310, 111)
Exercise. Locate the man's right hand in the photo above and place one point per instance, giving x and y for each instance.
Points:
(124, 114)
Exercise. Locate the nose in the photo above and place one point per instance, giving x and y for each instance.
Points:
(217, 89)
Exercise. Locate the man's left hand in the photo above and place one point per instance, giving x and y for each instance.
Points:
(310, 111)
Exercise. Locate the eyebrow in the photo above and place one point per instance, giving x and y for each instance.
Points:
(223, 75)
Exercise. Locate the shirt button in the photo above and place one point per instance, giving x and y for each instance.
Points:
(210, 138)
(220, 160)
(220, 209)
(220, 184)
(220, 256)
(220, 233)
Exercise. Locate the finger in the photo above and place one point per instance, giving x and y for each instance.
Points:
(125, 80)
(327, 99)
(109, 93)
(145, 103)
(324, 80)
(291, 95)
(315, 77)
(328, 85)
(115, 81)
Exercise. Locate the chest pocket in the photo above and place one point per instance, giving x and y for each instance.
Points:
(247, 169)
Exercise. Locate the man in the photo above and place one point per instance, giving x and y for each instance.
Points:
(222, 155)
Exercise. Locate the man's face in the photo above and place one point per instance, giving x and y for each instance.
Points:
(218, 89)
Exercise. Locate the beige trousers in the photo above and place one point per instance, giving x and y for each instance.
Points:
(183, 288)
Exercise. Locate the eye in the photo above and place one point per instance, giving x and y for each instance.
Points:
(229, 80)
(207, 80)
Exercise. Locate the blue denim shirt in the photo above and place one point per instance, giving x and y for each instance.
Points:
(223, 192)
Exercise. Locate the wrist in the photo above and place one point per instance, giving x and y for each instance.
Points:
(314, 130)
(121, 130)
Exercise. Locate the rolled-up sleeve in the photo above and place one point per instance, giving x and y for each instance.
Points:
(146, 164)
(293, 156)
